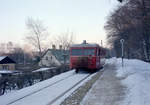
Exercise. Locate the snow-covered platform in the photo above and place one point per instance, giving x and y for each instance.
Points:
(128, 85)
(107, 90)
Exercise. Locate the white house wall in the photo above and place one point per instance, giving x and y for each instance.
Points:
(49, 60)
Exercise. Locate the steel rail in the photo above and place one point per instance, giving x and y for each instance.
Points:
(39, 89)
(62, 94)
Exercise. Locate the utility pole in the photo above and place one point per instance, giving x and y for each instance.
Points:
(122, 49)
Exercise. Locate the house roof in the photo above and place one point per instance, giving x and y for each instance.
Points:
(2, 57)
(59, 54)
(6, 60)
(84, 45)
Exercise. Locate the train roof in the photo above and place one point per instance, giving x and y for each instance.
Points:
(85, 45)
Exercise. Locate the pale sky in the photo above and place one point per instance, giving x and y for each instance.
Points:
(85, 18)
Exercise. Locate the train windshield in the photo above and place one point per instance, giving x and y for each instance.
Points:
(76, 52)
(79, 52)
(89, 51)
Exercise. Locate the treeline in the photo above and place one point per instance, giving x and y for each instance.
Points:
(131, 22)
(18, 53)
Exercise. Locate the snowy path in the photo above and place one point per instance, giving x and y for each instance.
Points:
(128, 85)
(107, 90)
(44, 92)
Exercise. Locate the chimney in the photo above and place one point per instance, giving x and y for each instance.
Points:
(53, 47)
(60, 47)
(84, 41)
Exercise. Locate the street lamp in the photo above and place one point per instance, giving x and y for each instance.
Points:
(122, 49)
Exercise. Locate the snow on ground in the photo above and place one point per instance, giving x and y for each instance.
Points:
(44, 69)
(58, 102)
(107, 90)
(50, 93)
(8, 71)
(136, 77)
(10, 97)
(47, 94)
(111, 61)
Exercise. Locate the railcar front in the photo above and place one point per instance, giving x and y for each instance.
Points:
(84, 57)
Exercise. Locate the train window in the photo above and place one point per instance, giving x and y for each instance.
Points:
(76, 52)
(89, 51)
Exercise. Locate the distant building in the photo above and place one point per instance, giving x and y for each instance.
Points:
(6, 63)
(54, 57)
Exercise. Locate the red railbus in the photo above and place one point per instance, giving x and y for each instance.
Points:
(86, 56)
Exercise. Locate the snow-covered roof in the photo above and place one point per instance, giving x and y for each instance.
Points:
(2, 57)
(7, 72)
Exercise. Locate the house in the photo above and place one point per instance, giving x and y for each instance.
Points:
(54, 57)
(6, 63)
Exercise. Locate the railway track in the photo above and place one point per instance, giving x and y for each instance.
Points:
(53, 83)
(62, 94)
(51, 87)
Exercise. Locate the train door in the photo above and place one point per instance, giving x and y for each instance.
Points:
(97, 58)
(102, 56)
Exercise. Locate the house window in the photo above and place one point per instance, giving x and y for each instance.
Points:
(46, 58)
(5, 67)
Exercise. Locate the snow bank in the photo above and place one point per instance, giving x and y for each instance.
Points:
(44, 69)
(111, 61)
(136, 77)
(6, 72)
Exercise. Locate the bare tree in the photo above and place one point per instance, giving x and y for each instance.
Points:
(6, 47)
(2, 48)
(37, 34)
(10, 46)
(64, 40)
